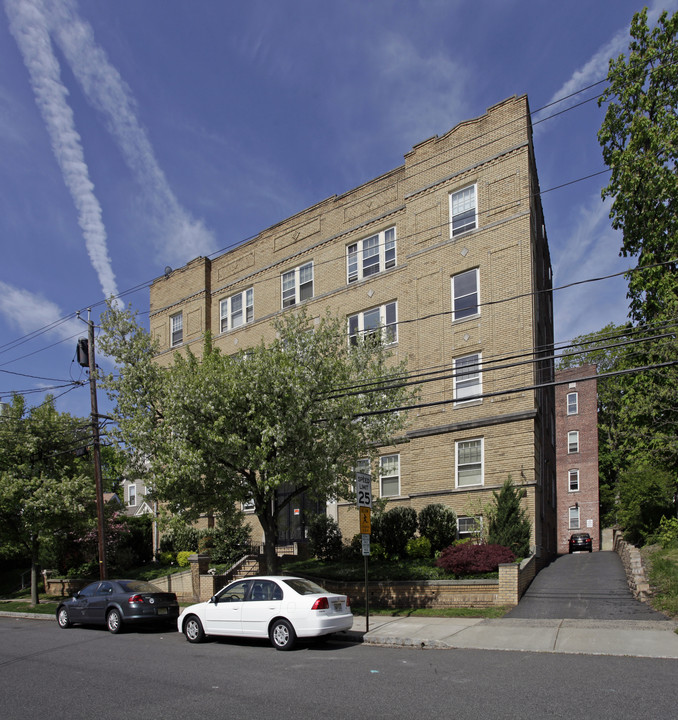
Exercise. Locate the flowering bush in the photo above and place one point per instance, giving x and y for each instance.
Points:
(470, 559)
(182, 558)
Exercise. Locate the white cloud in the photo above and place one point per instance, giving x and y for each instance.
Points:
(28, 25)
(180, 236)
(32, 313)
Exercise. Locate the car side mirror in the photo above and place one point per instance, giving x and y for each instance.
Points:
(214, 600)
(76, 596)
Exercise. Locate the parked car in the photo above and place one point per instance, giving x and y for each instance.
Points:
(116, 603)
(580, 541)
(275, 607)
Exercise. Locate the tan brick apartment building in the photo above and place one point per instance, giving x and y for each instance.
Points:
(449, 252)
(577, 454)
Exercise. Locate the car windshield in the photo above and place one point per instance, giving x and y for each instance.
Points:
(138, 586)
(305, 587)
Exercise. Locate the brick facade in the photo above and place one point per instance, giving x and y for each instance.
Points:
(486, 167)
(577, 412)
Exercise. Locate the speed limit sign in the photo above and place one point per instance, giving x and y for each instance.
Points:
(363, 489)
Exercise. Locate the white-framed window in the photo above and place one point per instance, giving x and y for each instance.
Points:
(297, 285)
(132, 495)
(469, 462)
(236, 310)
(573, 480)
(574, 518)
(177, 329)
(572, 403)
(469, 526)
(371, 255)
(463, 211)
(389, 475)
(369, 322)
(573, 441)
(467, 379)
(465, 294)
(248, 506)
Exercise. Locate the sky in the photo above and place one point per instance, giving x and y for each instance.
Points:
(136, 135)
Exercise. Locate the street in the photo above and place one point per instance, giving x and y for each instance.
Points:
(84, 673)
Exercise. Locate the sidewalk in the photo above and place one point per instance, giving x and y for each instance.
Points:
(635, 638)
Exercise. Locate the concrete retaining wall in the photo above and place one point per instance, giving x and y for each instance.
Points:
(633, 565)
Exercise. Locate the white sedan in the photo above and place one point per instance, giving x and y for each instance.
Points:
(277, 607)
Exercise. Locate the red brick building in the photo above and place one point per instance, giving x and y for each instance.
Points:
(577, 454)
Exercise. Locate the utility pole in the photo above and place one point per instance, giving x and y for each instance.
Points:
(96, 447)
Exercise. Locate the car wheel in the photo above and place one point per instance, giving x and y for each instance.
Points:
(282, 635)
(62, 618)
(114, 621)
(193, 629)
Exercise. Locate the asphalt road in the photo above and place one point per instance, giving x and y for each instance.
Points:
(83, 673)
(589, 586)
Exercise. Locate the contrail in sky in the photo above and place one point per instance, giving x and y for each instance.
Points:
(182, 237)
(28, 24)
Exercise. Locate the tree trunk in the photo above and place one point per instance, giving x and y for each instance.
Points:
(269, 523)
(34, 572)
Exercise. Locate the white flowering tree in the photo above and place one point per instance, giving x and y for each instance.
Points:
(222, 429)
(45, 490)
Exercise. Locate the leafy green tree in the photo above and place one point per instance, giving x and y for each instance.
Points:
(45, 490)
(639, 138)
(295, 414)
(646, 495)
(508, 523)
(324, 537)
(393, 530)
(438, 523)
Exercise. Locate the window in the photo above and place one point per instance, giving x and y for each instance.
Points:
(573, 476)
(371, 255)
(469, 463)
(465, 294)
(177, 329)
(237, 310)
(572, 403)
(573, 441)
(574, 518)
(467, 377)
(297, 285)
(389, 475)
(131, 495)
(463, 211)
(369, 322)
(468, 526)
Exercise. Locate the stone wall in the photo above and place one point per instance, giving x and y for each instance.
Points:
(633, 565)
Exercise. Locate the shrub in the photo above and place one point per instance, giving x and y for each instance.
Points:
(182, 558)
(166, 558)
(419, 547)
(667, 534)
(179, 538)
(393, 529)
(324, 537)
(509, 525)
(438, 523)
(228, 541)
(469, 559)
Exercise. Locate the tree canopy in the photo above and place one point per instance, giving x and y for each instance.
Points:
(45, 490)
(295, 415)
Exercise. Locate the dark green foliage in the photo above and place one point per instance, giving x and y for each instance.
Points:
(438, 523)
(509, 525)
(472, 559)
(393, 529)
(324, 537)
(180, 538)
(229, 541)
(646, 495)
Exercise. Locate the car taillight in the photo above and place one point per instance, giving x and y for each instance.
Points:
(348, 601)
(136, 599)
(321, 604)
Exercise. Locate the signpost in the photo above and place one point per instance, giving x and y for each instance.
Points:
(363, 492)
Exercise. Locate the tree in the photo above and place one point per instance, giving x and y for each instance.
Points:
(508, 524)
(294, 415)
(438, 523)
(45, 490)
(639, 138)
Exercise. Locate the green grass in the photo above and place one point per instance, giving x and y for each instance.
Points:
(663, 564)
(486, 612)
(44, 607)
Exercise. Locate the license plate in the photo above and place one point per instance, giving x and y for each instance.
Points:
(337, 606)
(162, 611)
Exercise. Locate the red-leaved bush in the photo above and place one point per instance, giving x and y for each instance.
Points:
(469, 559)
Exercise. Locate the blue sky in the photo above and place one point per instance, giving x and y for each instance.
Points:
(140, 134)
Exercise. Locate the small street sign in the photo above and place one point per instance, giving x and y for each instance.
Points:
(366, 548)
(363, 489)
(365, 520)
